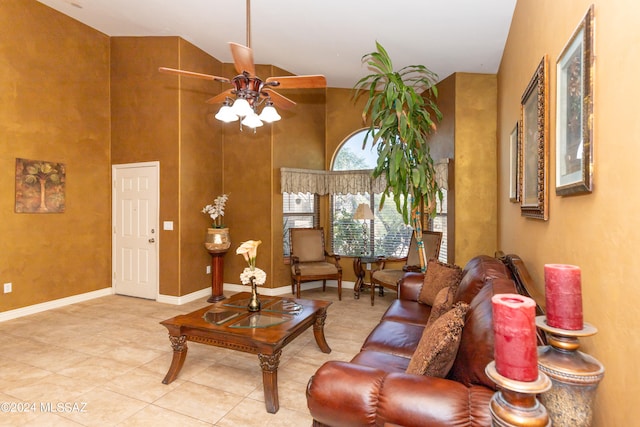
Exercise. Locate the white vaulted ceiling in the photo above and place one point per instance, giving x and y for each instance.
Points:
(318, 37)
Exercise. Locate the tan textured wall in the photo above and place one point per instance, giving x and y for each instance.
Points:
(467, 133)
(599, 231)
(248, 175)
(54, 106)
(475, 166)
(298, 142)
(145, 128)
(344, 117)
(201, 179)
(441, 145)
(160, 117)
(252, 163)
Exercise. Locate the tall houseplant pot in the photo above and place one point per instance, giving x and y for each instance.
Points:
(217, 239)
(400, 105)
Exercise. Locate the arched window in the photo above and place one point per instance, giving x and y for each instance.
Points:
(386, 234)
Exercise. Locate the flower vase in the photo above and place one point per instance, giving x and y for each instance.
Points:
(254, 302)
(217, 240)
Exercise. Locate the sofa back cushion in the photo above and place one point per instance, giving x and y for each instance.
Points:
(476, 346)
(475, 275)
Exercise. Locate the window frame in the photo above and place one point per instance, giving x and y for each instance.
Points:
(315, 214)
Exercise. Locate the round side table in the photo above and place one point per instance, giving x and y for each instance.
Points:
(361, 265)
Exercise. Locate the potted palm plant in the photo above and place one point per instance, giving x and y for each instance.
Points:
(402, 113)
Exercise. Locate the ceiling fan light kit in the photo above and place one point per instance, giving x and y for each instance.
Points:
(250, 91)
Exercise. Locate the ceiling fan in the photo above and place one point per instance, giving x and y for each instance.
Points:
(249, 91)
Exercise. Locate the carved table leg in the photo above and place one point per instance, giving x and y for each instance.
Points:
(269, 364)
(318, 331)
(179, 344)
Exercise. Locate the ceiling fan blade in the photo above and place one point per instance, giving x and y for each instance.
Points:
(279, 100)
(192, 74)
(242, 58)
(299, 82)
(219, 97)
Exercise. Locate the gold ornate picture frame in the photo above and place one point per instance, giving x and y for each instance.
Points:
(534, 153)
(574, 111)
(514, 170)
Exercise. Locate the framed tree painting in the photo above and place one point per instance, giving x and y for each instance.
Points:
(574, 111)
(40, 186)
(514, 169)
(534, 156)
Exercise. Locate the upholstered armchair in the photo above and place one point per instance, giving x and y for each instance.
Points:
(388, 277)
(310, 261)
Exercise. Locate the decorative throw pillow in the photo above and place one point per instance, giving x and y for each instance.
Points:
(438, 275)
(439, 344)
(441, 304)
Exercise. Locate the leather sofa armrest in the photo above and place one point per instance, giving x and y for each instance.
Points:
(347, 394)
(409, 286)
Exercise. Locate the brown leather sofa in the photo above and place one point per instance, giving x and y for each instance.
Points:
(373, 388)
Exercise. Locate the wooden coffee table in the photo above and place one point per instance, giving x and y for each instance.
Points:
(229, 324)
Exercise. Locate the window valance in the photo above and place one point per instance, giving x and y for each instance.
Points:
(323, 182)
(329, 182)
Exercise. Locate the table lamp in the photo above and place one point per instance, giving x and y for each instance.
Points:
(363, 212)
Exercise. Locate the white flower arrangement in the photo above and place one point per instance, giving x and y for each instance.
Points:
(259, 276)
(216, 210)
(249, 250)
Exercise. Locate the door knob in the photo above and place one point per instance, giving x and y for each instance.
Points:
(152, 240)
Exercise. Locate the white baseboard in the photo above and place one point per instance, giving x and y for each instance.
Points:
(232, 287)
(49, 305)
(170, 299)
(167, 299)
(283, 290)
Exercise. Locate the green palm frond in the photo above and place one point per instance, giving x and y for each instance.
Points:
(402, 112)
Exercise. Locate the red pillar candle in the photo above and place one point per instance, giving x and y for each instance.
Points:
(563, 296)
(515, 346)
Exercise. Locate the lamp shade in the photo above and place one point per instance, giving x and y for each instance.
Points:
(252, 121)
(269, 114)
(241, 107)
(363, 211)
(226, 115)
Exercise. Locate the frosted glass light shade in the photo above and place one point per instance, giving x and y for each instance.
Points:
(226, 115)
(241, 107)
(269, 114)
(252, 121)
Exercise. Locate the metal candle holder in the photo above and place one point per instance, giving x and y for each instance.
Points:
(575, 376)
(515, 403)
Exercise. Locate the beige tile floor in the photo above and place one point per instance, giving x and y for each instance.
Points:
(101, 363)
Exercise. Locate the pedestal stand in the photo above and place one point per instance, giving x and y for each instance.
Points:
(217, 275)
(575, 376)
(515, 403)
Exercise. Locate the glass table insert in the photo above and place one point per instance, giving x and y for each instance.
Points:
(261, 320)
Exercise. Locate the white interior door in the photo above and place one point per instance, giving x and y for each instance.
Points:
(135, 229)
